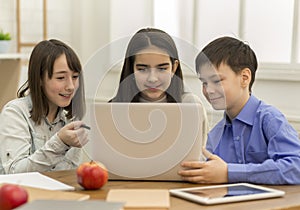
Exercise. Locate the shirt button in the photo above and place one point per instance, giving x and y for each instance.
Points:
(240, 161)
(237, 138)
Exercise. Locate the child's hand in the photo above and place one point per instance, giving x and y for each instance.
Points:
(214, 170)
(73, 134)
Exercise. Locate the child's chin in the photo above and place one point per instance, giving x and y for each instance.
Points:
(218, 106)
(63, 105)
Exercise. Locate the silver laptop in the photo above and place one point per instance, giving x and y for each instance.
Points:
(146, 141)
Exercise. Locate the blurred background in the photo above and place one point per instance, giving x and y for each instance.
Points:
(271, 27)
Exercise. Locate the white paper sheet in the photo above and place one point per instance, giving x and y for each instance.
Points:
(34, 179)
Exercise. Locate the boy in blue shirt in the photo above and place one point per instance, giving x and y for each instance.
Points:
(254, 141)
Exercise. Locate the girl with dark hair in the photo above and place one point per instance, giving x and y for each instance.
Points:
(151, 70)
(41, 129)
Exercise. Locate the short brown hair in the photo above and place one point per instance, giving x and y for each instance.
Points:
(228, 50)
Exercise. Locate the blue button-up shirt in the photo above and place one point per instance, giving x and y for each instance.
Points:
(259, 145)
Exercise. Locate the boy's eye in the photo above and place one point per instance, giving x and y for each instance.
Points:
(217, 81)
(60, 78)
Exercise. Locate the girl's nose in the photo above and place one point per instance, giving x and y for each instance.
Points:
(152, 77)
(70, 84)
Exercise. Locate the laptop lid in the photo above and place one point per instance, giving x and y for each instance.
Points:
(146, 141)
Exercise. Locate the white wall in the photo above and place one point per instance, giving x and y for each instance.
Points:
(98, 23)
(90, 26)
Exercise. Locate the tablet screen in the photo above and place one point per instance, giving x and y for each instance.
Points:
(225, 191)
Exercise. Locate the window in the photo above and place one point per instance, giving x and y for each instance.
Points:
(268, 27)
(271, 27)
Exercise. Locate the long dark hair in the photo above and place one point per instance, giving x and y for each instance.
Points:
(144, 38)
(41, 62)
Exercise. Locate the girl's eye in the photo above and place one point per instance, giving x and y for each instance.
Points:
(75, 76)
(142, 69)
(163, 68)
(60, 78)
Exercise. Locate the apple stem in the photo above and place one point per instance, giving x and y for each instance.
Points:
(87, 154)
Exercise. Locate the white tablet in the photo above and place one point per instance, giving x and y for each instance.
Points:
(226, 193)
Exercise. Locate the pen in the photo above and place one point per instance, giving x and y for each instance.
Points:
(85, 126)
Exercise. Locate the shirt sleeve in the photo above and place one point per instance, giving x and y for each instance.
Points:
(72, 160)
(16, 146)
(283, 163)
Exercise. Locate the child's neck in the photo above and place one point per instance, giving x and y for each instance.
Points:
(233, 111)
(52, 115)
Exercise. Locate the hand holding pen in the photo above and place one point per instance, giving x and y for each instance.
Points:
(74, 134)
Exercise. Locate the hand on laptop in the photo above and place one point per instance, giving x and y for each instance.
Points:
(214, 170)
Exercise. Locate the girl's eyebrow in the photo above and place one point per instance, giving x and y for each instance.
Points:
(163, 64)
(60, 72)
(64, 72)
(145, 65)
(142, 65)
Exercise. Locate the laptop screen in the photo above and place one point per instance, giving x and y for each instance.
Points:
(146, 140)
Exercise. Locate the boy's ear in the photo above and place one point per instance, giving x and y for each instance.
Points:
(246, 77)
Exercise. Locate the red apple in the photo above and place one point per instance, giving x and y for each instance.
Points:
(92, 175)
(12, 196)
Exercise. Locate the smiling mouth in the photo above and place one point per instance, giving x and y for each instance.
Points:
(66, 95)
(214, 99)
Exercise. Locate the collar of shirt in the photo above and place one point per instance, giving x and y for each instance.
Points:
(60, 117)
(246, 115)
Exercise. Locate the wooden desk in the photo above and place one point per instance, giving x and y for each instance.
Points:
(10, 69)
(291, 201)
